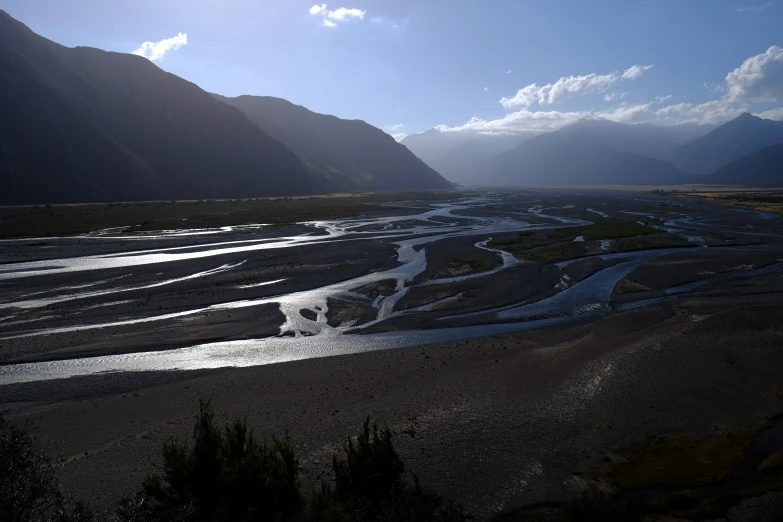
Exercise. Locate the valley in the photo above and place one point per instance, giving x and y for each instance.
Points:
(343, 317)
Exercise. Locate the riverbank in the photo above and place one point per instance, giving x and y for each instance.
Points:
(496, 423)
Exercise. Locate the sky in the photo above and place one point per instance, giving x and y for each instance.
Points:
(492, 66)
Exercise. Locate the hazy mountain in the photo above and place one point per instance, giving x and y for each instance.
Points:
(455, 154)
(351, 153)
(731, 141)
(81, 124)
(461, 155)
(584, 153)
(763, 168)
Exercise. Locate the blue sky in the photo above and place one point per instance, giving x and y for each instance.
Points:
(490, 66)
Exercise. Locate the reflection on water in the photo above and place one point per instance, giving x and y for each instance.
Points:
(306, 335)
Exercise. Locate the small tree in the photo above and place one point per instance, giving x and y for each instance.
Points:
(30, 482)
(225, 475)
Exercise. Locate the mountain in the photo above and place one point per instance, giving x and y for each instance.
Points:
(763, 168)
(85, 125)
(731, 141)
(587, 152)
(454, 154)
(460, 155)
(352, 154)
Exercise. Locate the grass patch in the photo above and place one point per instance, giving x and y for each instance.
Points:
(473, 262)
(774, 461)
(716, 236)
(681, 462)
(36, 221)
(558, 252)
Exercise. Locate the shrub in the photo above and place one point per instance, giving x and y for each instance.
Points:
(370, 484)
(30, 482)
(225, 475)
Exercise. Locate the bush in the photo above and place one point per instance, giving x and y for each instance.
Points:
(225, 475)
(369, 484)
(30, 482)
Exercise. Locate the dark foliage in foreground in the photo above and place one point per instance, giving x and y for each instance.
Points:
(29, 482)
(226, 475)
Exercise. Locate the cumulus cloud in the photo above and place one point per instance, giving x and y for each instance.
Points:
(570, 86)
(714, 87)
(625, 113)
(753, 8)
(506, 72)
(759, 77)
(486, 89)
(155, 50)
(396, 131)
(341, 14)
(636, 71)
(772, 114)
(520, 121)
(715, 111)
(661, 99)
(615, 96)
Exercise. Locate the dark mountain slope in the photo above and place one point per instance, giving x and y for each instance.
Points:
(760, 169)
(100, 126)
(351, 153)
(731, 141)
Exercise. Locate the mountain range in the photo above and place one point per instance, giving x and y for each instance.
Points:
(85, 125)
(595, 151)
(351, 154)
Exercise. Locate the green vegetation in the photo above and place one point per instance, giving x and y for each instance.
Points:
(763, 201)
(36, 221)
(550, 254)
(681, 462)
(558, 244)
(30, 483)
(225, 475)
(774, 461)
(716, 236)
(473, 262)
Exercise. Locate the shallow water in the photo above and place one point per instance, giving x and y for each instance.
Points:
(306, 337)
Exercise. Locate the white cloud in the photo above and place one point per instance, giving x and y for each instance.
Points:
(636, 71)
(661, 99)
(615, 96)
(155, 50)
(506, 72)
(714, 87)
(377, 19)
(395, 130)
(715, 111)
(520, 121)
(753, 8)
(570, 86)
(625, 113)
(772, 114)
(759, 77)
(341, 14)
(486, 89)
